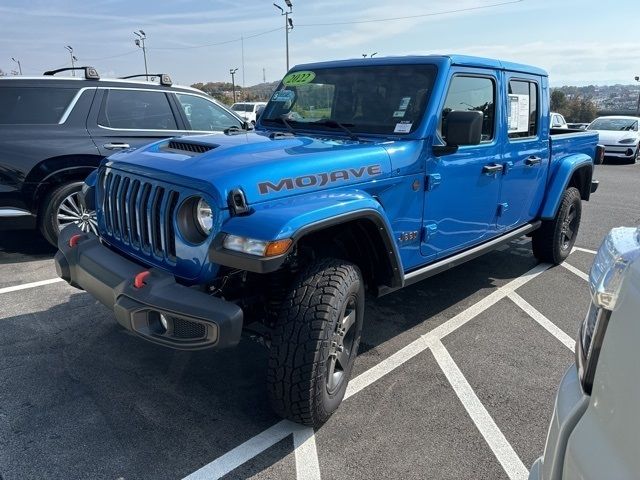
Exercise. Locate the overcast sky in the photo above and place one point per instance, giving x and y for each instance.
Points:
(578, 42)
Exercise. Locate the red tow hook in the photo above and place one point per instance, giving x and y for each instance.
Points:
(73, 241)
(139, 279)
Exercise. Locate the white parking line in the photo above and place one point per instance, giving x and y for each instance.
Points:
(576, 271)
(580, 249)
(307, 466)
(499, 445)
(256, 445)
(24, 286)
(245, 452)
(544, 322)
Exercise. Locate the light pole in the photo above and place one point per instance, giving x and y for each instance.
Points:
(233, 71)
(638, 107)
(73, 59)
(288, 24)
(19, 66)
(140, 43)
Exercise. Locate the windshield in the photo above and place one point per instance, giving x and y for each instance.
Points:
(240, 107)
(377, 99)
(620, 124)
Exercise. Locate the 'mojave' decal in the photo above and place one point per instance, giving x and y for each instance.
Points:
(318, 179)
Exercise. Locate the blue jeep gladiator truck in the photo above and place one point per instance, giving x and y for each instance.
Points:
(362, 175)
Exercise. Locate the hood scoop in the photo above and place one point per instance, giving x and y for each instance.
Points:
(188, 147)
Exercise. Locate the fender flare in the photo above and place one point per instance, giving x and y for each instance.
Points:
(559, 180)
(299, 217)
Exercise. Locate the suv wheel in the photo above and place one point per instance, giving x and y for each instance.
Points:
(553, 241)
(63, 207)
(316, 341)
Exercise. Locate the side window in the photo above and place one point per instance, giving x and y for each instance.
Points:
(522, 110)
(205, 115)
(34, 105)
(136, 110)
(473, 94)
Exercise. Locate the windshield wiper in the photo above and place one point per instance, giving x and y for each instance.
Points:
(336, 124)
(283, 121)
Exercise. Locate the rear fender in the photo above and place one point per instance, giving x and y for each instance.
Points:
(578, 164)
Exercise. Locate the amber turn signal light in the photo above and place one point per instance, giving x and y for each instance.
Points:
(278, 247)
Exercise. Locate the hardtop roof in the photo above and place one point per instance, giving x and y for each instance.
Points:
(458, 60)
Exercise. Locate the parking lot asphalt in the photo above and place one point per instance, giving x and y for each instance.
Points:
(456, 375)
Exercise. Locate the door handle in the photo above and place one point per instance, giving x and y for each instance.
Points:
(492, 169)
(115, 146)
(532, 160)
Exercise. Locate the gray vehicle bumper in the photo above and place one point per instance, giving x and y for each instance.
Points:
(159, 310)
(570, 405)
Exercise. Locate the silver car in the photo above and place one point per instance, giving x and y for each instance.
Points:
(595, 423)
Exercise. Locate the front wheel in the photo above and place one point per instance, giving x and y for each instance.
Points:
(63, 207)
(553, 241)
(316, 342)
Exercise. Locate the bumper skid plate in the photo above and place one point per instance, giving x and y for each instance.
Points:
(161, 310)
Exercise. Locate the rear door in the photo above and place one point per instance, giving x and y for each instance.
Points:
(128, 117)
(526, 150)
(202, 115)
(463, 188)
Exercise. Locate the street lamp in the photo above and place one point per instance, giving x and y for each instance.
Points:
(233, 71)
(140, 43)
(73, 59)
(288, 24)
(638, 107)
(19, 66)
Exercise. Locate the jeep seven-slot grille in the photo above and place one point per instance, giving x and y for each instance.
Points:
(140, 214)
(189, 147)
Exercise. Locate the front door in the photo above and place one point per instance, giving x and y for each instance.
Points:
(526, 152)
(463, 188)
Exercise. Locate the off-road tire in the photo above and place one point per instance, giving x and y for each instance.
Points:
(549, 242)
(300, 355)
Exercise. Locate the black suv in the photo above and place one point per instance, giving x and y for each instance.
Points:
(55, 131)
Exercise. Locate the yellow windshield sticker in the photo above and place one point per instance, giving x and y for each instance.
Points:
(298, 78)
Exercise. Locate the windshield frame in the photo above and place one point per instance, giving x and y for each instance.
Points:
(358, 130)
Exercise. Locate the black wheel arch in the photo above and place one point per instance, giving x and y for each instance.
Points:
(581, 179)
(360, 237)
(53, 172)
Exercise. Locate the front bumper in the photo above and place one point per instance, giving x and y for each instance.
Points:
(570, 405)
(194, 319)
(620, 151)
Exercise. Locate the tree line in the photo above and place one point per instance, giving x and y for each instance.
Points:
(574, 108)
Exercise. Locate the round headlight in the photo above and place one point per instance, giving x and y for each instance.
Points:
(204, 216)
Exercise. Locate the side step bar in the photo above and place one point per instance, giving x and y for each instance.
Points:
(460, 258)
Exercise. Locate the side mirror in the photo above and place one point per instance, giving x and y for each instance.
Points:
(463, 128)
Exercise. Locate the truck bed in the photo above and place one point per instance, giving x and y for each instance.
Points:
(565, 142)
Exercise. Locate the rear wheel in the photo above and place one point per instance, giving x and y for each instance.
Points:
(63, 207)
(316, 342)
(553, 241)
